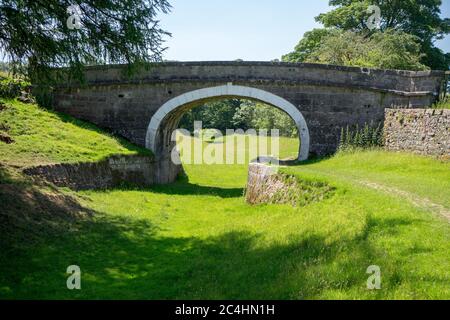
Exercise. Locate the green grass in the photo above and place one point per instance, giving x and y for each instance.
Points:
(198, 239)
(443, 104)
(422, 176)
(43, 137)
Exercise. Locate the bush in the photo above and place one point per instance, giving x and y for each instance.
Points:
(12, 88)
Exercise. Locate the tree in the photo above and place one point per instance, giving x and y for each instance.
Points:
(214, 115)
(389, 50)
(266, 117)
(36, 35)
(261, 116)
(239, 114)
(420, 18)
(244, 115)
(219, 115)
(4, 67)
(310, 42)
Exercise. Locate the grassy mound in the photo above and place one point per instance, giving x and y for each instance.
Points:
(43, 137)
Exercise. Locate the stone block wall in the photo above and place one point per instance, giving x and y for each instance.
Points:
(422, 131)
(329, 97)
(111, 172)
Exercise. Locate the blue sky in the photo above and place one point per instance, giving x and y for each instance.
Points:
(243, 29)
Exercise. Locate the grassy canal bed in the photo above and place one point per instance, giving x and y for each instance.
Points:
(198, 239)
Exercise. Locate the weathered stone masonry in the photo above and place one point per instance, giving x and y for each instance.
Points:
(422, 131)
(327, 97)
(111, 172)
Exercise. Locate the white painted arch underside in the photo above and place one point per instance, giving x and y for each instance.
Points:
(235, 91)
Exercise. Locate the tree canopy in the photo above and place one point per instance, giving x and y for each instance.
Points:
(308, 44)
(417, 23)
(417, 17)
(388, 50)
(36, 35)
(239, 114)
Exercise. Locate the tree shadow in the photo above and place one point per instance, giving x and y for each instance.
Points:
(30, 209)
(129, 258)
(183, 187)
(123, 258)
(186, 188)
(133, 258)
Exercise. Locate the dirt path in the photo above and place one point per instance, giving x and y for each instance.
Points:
(414, 199)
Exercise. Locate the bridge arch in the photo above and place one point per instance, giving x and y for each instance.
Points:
(167, 117)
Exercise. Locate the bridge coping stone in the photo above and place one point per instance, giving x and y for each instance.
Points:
(406, 73)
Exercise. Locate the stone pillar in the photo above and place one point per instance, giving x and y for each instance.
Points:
(262, 184)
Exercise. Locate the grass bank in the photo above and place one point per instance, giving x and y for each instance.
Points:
(198, 239)
(42, 137)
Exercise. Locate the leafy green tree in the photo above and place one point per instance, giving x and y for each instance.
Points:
(388, 50)
(420, 18)
(239, 114)
(244, 115)
(35, 35)
(219, 115)
(261, 116)
(308, 44)
(214, 115)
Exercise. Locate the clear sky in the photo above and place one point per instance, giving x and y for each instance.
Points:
(258, 30)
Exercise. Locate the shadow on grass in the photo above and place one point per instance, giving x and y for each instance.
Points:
(31, 209)
(186, 188)
(127, 258)
(131, 258)
(313, 159)
(183, 187)
(121, 258)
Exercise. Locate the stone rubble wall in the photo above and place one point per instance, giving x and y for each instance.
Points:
(266, 185)
(262, 184)
(422, 131)
(111, 172)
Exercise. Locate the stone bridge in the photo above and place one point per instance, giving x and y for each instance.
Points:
(146, 107)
